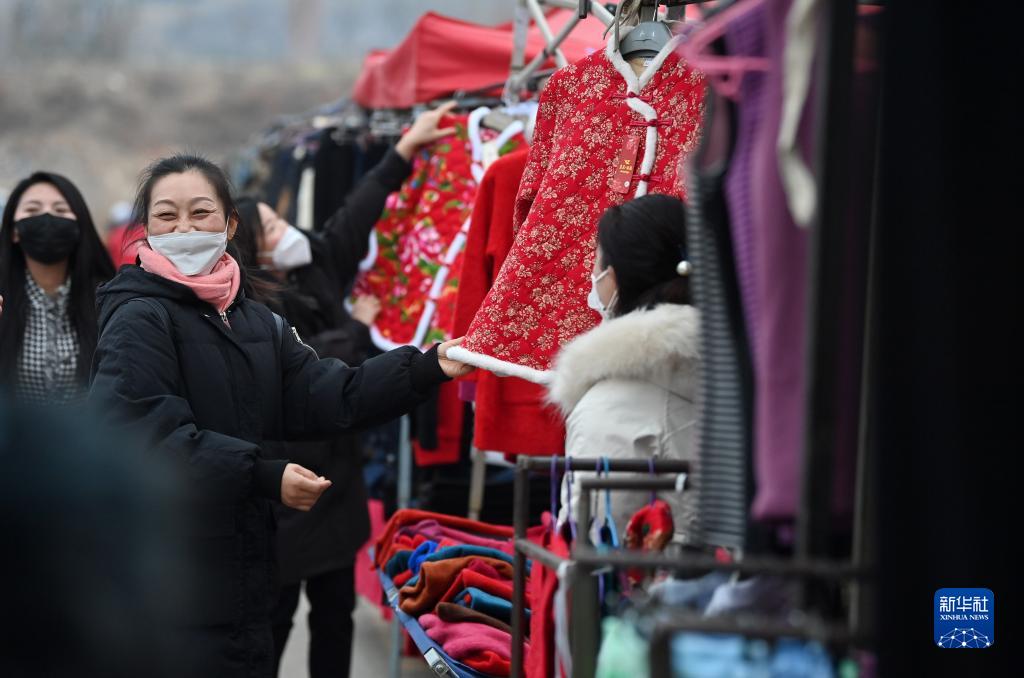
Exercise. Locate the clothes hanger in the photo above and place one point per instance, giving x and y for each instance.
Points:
(648, 37)
(724, 73)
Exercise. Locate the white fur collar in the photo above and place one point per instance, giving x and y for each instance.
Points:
(643, 345)
(633, 82)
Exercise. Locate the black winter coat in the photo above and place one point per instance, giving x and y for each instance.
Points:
(328, 537)
(209, 396)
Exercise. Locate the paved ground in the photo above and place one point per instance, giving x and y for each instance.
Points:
(370, 651)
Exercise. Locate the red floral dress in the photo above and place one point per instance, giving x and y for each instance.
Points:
(597, 121)
(420, 239)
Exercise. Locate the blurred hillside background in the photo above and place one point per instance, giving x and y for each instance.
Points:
(95, 89)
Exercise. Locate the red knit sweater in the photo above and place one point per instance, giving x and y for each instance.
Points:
(511, 415)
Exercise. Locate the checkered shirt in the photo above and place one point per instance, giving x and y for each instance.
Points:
(49, 353)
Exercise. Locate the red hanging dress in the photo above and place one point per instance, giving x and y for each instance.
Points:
(603, 136)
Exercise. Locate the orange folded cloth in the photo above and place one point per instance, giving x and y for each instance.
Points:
(436, 578)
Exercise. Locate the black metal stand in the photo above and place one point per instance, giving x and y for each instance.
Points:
(525, 549)
(585, 560)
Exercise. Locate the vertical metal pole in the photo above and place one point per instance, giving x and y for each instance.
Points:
(865, 517)
(395, 651)
(520, 516)
(404, 495)
(585, 619)
(477, 480)
(521, 27)
(825, 278)
(404, 462)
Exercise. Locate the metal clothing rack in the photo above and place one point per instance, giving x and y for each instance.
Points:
(585, 560)
(527, 10)
(526, 549)
(586, 637)
(404, 492)
(830, 237)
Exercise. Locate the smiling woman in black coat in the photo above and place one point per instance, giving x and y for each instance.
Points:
(318, 548)
(212, 377)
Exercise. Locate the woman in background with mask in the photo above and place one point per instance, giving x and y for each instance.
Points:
(322, 265)
(51, 261)
(317, 547)
(628, 387)
(214, 380)
(313, 271)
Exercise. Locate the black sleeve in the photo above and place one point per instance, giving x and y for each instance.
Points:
(347, 232)
(135, 386)
(351, 342)
(324, 397)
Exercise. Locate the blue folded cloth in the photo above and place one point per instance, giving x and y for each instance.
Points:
(420, 554)
(467, 550)
(693, 594)
(489, 604)
(798, 659)
(696, 655)
(399, 563)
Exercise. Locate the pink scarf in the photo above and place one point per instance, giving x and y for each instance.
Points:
(218, 287)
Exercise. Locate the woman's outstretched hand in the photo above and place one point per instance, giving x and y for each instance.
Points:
(425, 130)
(452, 368)
(300, 487)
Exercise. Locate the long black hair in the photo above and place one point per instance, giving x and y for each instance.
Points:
(644, 240)
(88, 266)
(246, 250)
(244, 244)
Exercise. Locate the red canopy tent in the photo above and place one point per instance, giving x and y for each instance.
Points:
(442, 55)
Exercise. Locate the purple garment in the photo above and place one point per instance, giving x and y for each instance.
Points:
(779, 299)
(771, 254)
(745, 37)
(434, 531)
(467, 391)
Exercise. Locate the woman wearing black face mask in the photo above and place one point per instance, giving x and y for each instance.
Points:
(51, 261)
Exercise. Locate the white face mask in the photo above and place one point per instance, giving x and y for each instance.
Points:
(192, 253)
(292, 250)
(594, 299)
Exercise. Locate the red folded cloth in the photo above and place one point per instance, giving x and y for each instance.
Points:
(650, 529)
(436, 532)
(408, 516)
(540, 659)
(436, 578)
(483, 568)
(488, 663)
(467, 578)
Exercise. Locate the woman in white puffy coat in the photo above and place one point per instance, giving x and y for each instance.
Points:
(628, 387)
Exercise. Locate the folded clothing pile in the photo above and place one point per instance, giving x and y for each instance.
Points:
(455, 577)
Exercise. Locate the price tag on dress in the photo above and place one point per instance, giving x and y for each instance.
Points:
(625, 165)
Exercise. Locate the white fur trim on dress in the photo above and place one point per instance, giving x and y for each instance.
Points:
(638, 345)
(634, 84)
(499, 367)
(651, 143)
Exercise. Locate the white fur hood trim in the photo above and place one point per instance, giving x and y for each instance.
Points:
(644, 345)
